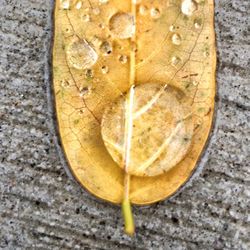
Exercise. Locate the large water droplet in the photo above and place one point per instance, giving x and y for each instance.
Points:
(176, 39)
(81, 55)
(155, 13)
(106, 48)
(122, 25)
(188, 7)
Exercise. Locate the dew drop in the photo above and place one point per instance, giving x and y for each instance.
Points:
(195, 83)
(176, 39)
(84, 91)
(188, 7)
(136, 1)
(123, 59)
(122, 25)
(103, 1)
(96, 11)
(81, 55)
(197, 23)
(155, 13)
(78, 5)
(105, 69)
(143, 10)
(172, 28)
(85, 18)
(175, 60)
(89, 73)
(64, 84)
(206, 54)
(65, 4)
(106, 48)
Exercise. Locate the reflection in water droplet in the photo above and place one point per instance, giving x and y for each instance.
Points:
(155, 13)
(105, 69)
(85, 18)
(65, 4)
(188, 7)
(176, 39)
(79, 5)
(143, 10)
(106, 48)
(89, 73)
(81, 55)
(122, 25)
(123, 59)
(175, 60)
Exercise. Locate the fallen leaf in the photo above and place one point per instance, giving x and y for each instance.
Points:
(134, 85)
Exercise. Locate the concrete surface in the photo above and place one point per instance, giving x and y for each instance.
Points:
(41, 208)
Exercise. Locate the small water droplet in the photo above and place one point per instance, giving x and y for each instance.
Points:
(103, 1)
(65, 4)
(122, 25)
(172, 28)
(96, 11)
(85, 17)
(78, 5)
(105, 69)
(106, 48)
(143, 10)
(176, 39)
(206, 54)
(80, 54)
(65, 84)
(188, 7)
(102, 25)
(175, 60)
(136, 1)
(84, 91)
(89, 73)
(155, 13)
(123, 59)
(197, 23)
(96, 41)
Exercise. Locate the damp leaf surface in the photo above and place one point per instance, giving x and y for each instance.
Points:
(160, 55)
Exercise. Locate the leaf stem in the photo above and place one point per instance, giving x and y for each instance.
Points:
(126, 204)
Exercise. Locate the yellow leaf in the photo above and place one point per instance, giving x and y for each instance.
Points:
(134, 85)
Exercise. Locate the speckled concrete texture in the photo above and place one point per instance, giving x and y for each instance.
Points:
(41, 208)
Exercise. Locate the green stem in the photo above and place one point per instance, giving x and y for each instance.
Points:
(128, 217)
